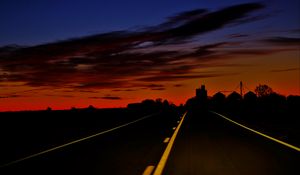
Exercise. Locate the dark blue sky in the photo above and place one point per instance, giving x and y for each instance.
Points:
(34, 22)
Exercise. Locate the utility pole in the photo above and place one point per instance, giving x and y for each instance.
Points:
(241, 88)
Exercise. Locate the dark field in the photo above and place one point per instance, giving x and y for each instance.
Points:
(125, 150)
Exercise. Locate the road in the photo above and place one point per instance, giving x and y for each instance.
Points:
(205, 144)
(208, 144)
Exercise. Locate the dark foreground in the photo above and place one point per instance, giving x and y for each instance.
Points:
(205, 144)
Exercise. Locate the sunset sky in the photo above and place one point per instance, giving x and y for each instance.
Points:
(108, 53)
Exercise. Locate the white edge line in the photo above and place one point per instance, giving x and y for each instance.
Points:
(75, 141)
(160, 167)
(259, 133)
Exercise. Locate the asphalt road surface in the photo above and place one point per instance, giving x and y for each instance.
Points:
(205, 144)
(208, 144)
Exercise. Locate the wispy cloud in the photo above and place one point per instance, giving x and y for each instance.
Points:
(283, 40)
(178, 85)
(118, 60)
(107, 98)
(158, 89)
(237, 35)
(285, 70)
(124, 90)
(65, 96)
(11, 96)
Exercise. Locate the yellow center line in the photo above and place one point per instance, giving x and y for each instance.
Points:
(148, 170)
(75, 141)
(259, 133)
(166, 140)
(164, 158)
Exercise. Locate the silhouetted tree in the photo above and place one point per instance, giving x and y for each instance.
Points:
(134, 105)
(191, 103)
(263, 90)
(91, 107)
(74, 109)
(165, 104)
(293, 102)
(158, 102)
(148, 103)
(49, 109)
(275, 101)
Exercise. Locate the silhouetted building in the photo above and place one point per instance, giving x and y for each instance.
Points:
(250, 97)
(218, 101)
(234, 97)
(134, 105)
(201, 93)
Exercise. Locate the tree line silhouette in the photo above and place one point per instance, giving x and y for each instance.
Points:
(263, 100)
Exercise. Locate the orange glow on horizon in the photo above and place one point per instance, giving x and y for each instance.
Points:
(18, 97)
(63, 103)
